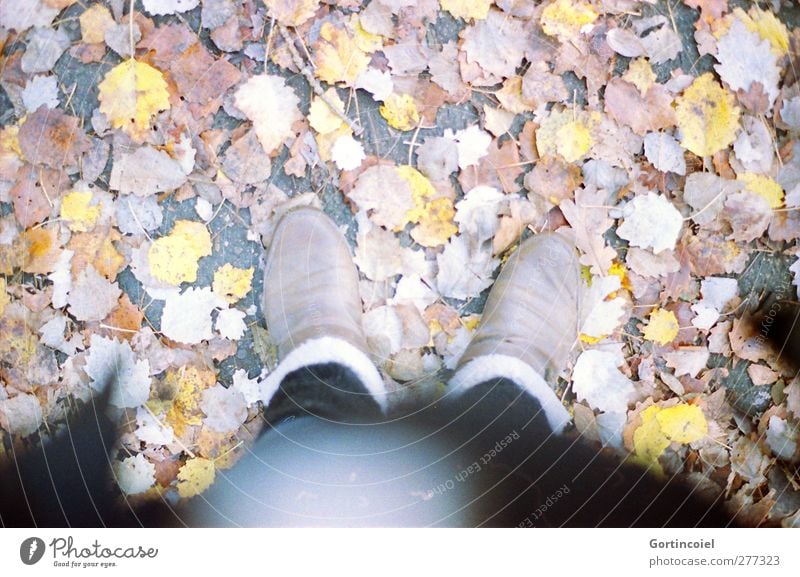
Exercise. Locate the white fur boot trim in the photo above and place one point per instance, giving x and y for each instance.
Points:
(328, 350)
(488, 367)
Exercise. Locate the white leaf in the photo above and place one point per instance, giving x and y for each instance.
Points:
(473, 144)
(597, 380)
(782, 438)
(61, 278)
(463, 273)
(347, 153)
(272, 106)
(145, 171)
(187, 317)
(112, 363)
(151, 430)
(795, 270)
(21, 415)
(225, 409)
(651, 221)
(377, 83)
(746, 58)
(165, 7)
(601, 315)
(230, 324)
(40, 91)
(135, 474)
(664, 152)
(247, 386)
(92, 296)
(478, 212)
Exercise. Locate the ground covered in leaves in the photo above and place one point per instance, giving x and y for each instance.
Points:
(146, 153)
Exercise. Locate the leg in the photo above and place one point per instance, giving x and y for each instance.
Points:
(529, 476)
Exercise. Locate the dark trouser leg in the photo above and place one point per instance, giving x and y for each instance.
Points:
(527, 476)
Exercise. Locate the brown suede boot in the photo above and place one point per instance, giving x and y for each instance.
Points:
(312, 304)
(529, 323)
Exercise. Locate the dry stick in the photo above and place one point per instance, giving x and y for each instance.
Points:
(315, 85)
(174, 436)
(130, 28)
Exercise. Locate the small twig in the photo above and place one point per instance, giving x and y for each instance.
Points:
(269, 40)
(174, 436)
(413, 143)
(130, 29)
(139, 222)
(44, 188)
(315, 85)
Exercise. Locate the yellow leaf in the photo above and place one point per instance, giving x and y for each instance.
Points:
(763, 186)
(4, 298)
(366, 41)
(41, 250)
(94, 23)
(433, 216)
(78, 211)
(188, 384)
(767, 26)
(573, 140)
(649, 441)
(400, 111)
(567, 133)
(640, 74)
(662, 328)
(421, 192)
(195, 476)
(565, 18)
(231, 283)
(173, 258)
(339, 59)
(321, 117)
(9, 141)
(707, 116)
(683, 423)
(131, 94)
(292, 12)
(466, 9)
(435, 226)
(619, 270)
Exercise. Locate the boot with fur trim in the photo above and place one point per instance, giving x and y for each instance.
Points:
(312, 304)
(529, 324)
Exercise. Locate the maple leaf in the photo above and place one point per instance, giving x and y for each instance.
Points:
(131, 94)
(272, 106)
(707, 116)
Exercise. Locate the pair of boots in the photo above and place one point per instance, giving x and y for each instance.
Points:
(313, 313)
